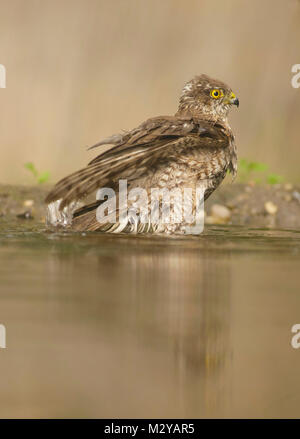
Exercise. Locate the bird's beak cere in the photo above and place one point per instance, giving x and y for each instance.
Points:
(232, 100)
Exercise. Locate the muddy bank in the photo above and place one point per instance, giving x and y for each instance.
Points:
(237, 204)
(257, 205)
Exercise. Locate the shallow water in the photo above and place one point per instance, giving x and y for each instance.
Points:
(123, 326)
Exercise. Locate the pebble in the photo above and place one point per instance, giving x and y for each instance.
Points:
(220, 210)
(296, 195)
(25, 215)
(219, 214)
(288, 186)
(270, 207)
(210, 220)
(28, 203)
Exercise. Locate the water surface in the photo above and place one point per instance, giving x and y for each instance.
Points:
(123, 326)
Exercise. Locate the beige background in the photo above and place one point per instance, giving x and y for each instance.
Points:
(78, 70)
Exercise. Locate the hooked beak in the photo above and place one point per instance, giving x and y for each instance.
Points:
(236, 102)
(233, 100)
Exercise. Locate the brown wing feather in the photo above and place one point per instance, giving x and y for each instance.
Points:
(134, 151)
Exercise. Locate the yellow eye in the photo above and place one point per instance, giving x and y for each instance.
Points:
(216, 93)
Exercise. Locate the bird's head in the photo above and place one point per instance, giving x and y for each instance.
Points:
(207, 98)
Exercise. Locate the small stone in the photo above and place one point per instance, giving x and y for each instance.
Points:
(210, 220)
(220, 211)
(28, 203)
(271, 208)
(25, 215)
(219, 214)
(296, 195)
(288, 186)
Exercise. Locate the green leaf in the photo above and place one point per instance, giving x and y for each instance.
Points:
(243, 164)
(257, 166)
(274, 179)
(43, 177)
(31, 168)
(40, 178)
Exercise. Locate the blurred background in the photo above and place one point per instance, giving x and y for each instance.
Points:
(80, 70)
(119, 326)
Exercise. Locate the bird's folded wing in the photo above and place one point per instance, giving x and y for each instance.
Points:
(133, 153)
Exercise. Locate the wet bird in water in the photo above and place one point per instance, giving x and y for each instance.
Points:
(194, 148)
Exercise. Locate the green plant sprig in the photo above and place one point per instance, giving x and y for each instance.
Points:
(257, 172)
(40, 178)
